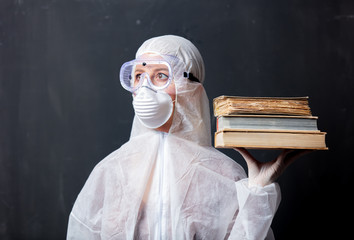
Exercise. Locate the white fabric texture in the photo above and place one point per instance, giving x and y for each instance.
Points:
(173, 185)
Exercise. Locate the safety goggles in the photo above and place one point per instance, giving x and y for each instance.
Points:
(154, 71)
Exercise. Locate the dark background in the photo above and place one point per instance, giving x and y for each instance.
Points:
(62, 108)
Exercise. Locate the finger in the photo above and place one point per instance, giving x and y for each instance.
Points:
(240, 150)
(243, 152)
(247, 156)
(281, 157)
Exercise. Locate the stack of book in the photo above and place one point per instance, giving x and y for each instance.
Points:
(266, 123)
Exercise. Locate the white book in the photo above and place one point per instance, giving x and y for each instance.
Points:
(267, 122)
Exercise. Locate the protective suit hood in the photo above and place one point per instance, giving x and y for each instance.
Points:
(191, 119)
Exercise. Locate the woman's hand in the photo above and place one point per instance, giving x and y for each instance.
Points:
(262, 174)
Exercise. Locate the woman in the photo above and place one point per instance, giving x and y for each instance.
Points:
(167, 181)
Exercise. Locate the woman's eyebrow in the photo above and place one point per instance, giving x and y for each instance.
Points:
(160, 69)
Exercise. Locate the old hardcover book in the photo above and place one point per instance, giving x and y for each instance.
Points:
(230, 105)
(269, 122)
(263, 139)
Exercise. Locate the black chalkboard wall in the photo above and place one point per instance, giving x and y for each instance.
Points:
(63, 109)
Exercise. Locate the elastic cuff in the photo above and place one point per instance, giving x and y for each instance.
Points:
(244, 192)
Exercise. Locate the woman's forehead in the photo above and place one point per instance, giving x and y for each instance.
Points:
(151, 67)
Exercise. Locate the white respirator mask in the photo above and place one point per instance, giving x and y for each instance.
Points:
(153, 108)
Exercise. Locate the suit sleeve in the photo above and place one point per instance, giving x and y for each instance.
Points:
(257, 207)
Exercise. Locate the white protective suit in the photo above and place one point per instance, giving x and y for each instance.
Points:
(173, 185)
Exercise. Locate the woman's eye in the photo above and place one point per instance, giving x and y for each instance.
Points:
(137, 79)
(162, 76)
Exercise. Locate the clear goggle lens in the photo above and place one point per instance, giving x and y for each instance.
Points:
(156, 73)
